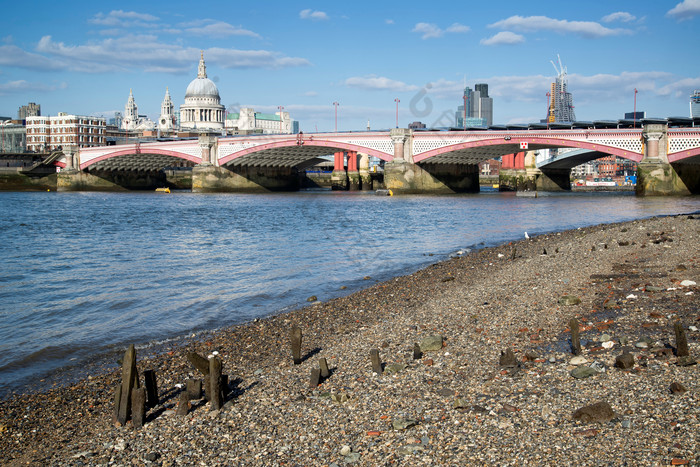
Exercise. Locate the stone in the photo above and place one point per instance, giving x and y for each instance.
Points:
(345, 450)
(686, 361)
(653, 288)
(312, 298)
(403, 423)
(394, 368)
(151, 384)
(295, 338)
(417, 354)
(624, 361)
(323, 366)
(431, 343)
(152, 456)
(352, 458)
(600, 412)
(688, 283)
(507, 359)
(578, 360)
(575, 337)
(605, 338)
(681, 340)
(677, 388)
(583, 372)
(340, 397)
(460, 403)
(138, 407)
(376, 361)
(608, 345)
(569, 300)
(641, 345)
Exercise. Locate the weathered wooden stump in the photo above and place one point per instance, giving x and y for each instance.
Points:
(199, 362)
(138, 407)
(129, 381)
(149, 379)
(117, 403)
(323, 365)
(183, 404)
(575, 336)
(194, 388)
(681, 341)
(315, 378)
(216, 397)
(376, 361)
(295, 336)
(417, 352)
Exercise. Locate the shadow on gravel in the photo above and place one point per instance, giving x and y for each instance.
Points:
(311, 354)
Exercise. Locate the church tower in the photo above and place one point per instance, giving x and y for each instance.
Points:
(167, 117)
(131, 113)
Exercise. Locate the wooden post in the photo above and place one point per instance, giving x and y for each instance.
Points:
(295, 336)
(199, 362)
(194, 389)
(149, 377)
(117, 403)
(129, 377)
(681, 341)
(376, 361)
(216, 397)
(315, 378)
(183, 404)
(323, 365)
(138, 407)
(575, 336)
(417, 353)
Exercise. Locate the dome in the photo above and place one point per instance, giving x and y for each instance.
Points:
(202, 87)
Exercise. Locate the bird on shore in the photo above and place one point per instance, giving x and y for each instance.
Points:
(527, 237)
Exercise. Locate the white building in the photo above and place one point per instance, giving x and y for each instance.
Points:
(202, 108)
(132, 120)
(167, 120)
(47, 133)
(250, 121)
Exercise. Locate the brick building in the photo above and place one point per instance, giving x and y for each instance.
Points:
(47, 133)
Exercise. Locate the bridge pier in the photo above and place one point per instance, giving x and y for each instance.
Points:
(339, 178)
(365, 177)
(553, 180)
(655, 175)
(353, 174)
(213, 179)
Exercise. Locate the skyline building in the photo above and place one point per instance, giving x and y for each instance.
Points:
(30, 110)
(202, 108)
(48, 133)
(479, 107)
(561, 102)
(695, 104)
(166, 122)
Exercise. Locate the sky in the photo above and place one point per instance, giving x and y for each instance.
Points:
(83, 57)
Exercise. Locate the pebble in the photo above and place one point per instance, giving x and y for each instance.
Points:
(578, 360)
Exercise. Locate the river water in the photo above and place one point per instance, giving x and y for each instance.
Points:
(85, 274)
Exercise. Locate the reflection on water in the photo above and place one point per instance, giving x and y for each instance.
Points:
(84, 273)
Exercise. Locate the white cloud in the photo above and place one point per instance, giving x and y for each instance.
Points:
(147, 53)
(213, 28)
(543, 23)
(122, 18)
(619, 16)
(11, 55)
(25, 86)
(503, 37)
(378, 83)
(389, 21)
(458, 28)
(314, 15)
(681, 88)
(432, 31)
(685, 10)
(310, 94)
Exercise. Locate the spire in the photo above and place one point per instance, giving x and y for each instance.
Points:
(202, 72)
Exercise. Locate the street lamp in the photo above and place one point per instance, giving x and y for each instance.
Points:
(336, 104)
(397, 111)
(635, 109)
(281, 108)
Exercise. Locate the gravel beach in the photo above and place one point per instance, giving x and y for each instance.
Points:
(502, 387)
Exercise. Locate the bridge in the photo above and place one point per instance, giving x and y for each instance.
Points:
(414, 161)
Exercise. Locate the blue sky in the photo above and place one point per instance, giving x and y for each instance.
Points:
(83, 57)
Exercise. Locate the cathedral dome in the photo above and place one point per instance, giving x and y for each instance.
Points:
(202, 87)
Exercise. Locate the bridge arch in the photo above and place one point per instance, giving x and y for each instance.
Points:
(131, 151)
(682, 156)
(306, 142)
(512, 145)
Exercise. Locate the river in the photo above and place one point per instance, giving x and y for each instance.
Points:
(85, 274)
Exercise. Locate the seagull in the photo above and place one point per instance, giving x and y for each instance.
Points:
(527, 236)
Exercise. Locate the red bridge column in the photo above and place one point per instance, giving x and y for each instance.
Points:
(339, 178)
(353, 173)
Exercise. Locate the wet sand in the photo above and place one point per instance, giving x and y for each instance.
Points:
(453, 406)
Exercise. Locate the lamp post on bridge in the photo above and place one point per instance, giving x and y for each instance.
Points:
(281, 108)
(634, 111)
(397, 111)
(336, 104)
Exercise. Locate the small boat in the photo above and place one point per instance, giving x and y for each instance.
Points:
(526, 194)
(382, 192)
(163, 190)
